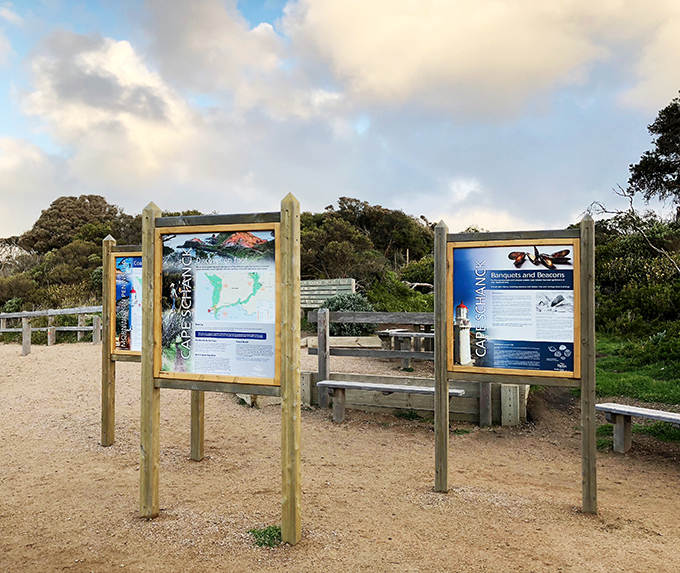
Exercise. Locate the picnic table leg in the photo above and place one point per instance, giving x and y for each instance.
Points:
(338, 404)
(623, 433)
(399, 344)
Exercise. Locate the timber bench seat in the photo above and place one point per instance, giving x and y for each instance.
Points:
(339, 386)
(620, 415)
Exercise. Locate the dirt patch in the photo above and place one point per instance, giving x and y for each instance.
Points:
(513, 506)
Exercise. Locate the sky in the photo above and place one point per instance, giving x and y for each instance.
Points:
(506, 115)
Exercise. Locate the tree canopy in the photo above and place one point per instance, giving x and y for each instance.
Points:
(657, 174)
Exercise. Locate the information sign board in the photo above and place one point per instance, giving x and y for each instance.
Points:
(218, 303)
(514, 307)
(127, 294)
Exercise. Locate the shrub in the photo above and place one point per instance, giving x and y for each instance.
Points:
(421, 271)
(392, 295)
(349, 303)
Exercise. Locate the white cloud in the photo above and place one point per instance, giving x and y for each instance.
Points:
(11, 17)
(489, 57)
(123, 123)
(658, 69)
(5, 49)
(27, 184)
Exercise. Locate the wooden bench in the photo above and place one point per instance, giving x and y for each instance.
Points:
(620, 415)
(338, 388)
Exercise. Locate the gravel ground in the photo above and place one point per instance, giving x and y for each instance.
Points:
(68, 504)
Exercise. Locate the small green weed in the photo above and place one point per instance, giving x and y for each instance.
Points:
(267, 536)
(460, 431)
(605, 430)
(660, 430)
(407, 369)
(604, 444)
(407, 415)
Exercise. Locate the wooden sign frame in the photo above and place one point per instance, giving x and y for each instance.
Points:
(574, 244)
(286, 226)
(583, 375)
(157, 317)
(111, 354)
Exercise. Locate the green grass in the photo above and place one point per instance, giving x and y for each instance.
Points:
(660, 430)
(267, 536)
(618, 375)
(460, 431)
(604, 444)
(605, 430)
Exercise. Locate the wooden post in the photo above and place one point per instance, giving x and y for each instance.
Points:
(623, 433)
(485, 405)
(25, 336)
(81, 321)
(509, 405)
(441, 394)
(150, 415)
(197, 424)
(291, 488)
(588, 440)
(96, 329)
(323, 343)
(108, 366)
(51, 331)
(339, 405)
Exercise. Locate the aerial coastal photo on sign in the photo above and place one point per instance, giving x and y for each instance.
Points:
(514, 307)
(219, 303)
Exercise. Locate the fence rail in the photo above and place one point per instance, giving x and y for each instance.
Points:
(26, 328)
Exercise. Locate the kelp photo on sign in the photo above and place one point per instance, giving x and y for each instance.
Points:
(219, 303)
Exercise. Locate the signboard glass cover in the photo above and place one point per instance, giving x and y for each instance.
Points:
(513, 307)
(128, 303)
(219, 303)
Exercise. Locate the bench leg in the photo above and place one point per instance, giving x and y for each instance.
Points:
(338, 404)
(622, 433)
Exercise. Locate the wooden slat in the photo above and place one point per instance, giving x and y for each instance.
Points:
(588, 397)
(226, 388)
(52, 312)
(375, 353)
(515, 379)
(519, 235)
(126, 249)
(377, 317)
(291, 481)
(441, 402)
(659, 415)
(150, 394)
(401, 388)
(126, 357)
(108, 415)
(212, 220)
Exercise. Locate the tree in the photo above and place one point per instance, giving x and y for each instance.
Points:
(335, 249)
(64, 218)
(392, 232)
(657, 174)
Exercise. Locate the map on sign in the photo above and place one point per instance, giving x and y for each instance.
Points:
(219, 302)
(236, 295)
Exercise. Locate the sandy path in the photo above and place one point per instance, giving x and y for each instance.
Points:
(68, 504)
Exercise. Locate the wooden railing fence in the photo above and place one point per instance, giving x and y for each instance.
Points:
(7, 318)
